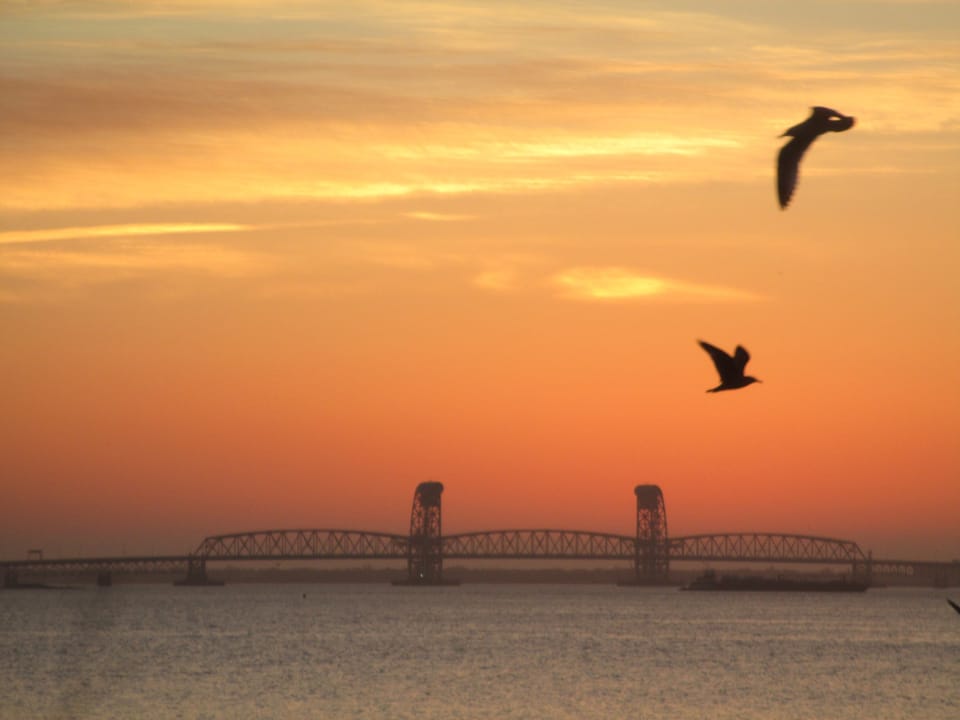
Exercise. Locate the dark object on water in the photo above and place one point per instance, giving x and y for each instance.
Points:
(709, 581)
(821, 120)
(953, 605)
(729, 368)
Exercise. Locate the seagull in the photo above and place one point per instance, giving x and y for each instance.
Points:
(953, 605)
(821, 120)
(729, 368)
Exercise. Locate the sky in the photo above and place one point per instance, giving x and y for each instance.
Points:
(272, 263)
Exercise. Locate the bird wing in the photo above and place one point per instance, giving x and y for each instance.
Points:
(741, 357)
(788, 167)
(953, 605)
(726, 367)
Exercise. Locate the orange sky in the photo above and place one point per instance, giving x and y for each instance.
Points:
(271, 263)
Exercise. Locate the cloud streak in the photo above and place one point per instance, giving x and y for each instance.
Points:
(608, 284)
(429, 98)
(426, 98)
(437, 217)
(16, 237)
(66, 258)
(111, 262)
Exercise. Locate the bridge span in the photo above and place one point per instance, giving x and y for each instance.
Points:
(425, 548)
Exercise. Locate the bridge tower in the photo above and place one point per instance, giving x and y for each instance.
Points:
(425, 556)
(652, 559)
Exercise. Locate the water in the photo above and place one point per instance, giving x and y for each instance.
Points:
(476, 651)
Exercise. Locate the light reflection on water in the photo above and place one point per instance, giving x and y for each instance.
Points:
(476, 651)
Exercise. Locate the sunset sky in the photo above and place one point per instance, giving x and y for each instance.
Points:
(271, 263)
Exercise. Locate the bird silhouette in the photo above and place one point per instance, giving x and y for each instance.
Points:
(953, 605)
(729, 368)
(821, 120)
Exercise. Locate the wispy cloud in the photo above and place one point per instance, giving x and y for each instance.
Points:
(561, 146)
(71, 257)
(115, 231)
(437, 217)
(112, 262)
(424, 97)
(617, 283)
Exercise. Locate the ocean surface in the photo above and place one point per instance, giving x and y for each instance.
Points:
(476, 651)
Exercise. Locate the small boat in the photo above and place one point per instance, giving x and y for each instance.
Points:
(759, 583)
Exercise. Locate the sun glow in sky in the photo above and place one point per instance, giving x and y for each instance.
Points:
(272, 263)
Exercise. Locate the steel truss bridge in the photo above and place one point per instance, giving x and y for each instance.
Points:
(542, 544)
(425, 548)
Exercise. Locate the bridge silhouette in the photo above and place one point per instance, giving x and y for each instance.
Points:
(425, 548)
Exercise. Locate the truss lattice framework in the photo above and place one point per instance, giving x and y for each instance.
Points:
(561, 544)
(519, 544)
(765, 547)
(290, 544)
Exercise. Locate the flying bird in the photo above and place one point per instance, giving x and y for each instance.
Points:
(821, 120)
(729, 368)
(953, 605)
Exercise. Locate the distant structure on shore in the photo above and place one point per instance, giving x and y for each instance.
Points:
(425, 549)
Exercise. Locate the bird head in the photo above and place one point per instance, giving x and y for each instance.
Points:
(841, 123)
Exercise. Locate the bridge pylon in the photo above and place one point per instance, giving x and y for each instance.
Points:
(197, 574)
(651, 562)
(425, 551)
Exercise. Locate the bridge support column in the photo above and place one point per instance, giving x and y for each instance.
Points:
(197, 574)
(862, 570)
(425, 551)
(652, 560)
(10, 578)
(868, 568)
